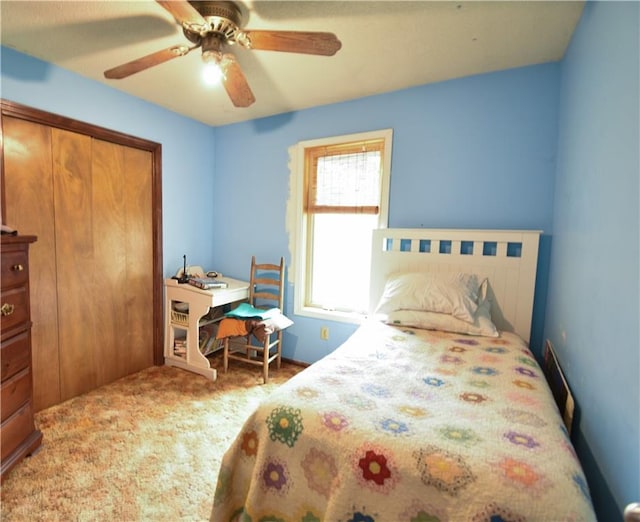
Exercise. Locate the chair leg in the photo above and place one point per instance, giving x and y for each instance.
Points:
(249, 352)
(279, 359)
(226, 354)
(265, 360)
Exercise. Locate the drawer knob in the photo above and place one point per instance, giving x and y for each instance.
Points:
(17, 268)
(7, 309)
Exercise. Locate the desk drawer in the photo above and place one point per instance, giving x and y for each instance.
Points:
(16, 429)
(14, 393)
(15, 354)
(15, 268)
(15, 307)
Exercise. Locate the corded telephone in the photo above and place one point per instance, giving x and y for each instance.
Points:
(185, 272)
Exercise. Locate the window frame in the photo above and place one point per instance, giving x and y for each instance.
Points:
(299, 251)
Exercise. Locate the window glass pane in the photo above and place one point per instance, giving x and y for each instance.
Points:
(341, 260)
(348, 179)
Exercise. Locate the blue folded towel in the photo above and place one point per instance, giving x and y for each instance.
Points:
(247, 311)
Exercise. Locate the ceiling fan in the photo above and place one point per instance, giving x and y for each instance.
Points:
(215, 25)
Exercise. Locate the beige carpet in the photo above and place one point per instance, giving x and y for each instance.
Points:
(147, 447)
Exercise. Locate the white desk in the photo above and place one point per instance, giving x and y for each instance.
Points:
(186, 325)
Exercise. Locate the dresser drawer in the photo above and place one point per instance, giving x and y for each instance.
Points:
(15, 307)
(15, 354)
(15, 269)
(14, 393)
(16, 429)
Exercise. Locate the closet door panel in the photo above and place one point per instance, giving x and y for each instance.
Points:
(139, 211)
(30, 208)
(78, 301)
(110, 249)
(123, 257)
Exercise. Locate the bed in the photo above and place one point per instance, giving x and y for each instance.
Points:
(425, 413)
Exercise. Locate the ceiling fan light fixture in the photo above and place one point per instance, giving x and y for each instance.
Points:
(212, 45)
(212, 72)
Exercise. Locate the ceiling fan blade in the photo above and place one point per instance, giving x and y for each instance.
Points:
(306, 42)
(185, 14)
(235, 82)
(135, 66)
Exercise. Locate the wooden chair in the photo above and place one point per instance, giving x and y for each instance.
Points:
(266, 290)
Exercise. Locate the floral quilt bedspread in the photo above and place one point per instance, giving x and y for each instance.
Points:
(405, 424)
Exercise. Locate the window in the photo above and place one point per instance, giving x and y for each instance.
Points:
(342, 195)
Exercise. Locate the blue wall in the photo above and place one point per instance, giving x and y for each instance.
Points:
(593, 311)
(479, 152)
(187, 146)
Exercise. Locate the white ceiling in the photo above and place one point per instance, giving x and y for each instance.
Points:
(386, 46)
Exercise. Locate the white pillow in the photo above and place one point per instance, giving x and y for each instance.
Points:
(481, 326)
(451, 293)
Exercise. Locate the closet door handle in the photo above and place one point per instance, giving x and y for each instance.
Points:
(17, 268)
(7, 309)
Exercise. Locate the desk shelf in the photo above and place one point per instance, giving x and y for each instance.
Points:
(183, 327)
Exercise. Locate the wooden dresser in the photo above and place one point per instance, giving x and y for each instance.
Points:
(18, 435)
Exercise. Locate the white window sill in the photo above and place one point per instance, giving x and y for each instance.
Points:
(331, 315)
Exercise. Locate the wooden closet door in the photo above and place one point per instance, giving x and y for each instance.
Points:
(91, 203)
(103, 245)
(123, 259)
(76, 261)
(27, 157)
(138, 351)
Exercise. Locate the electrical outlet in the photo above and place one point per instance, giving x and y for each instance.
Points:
(324, 333)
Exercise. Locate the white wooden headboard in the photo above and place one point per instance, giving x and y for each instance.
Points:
(507, 258)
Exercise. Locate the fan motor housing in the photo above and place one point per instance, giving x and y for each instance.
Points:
(218, 9)
(223, 19)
